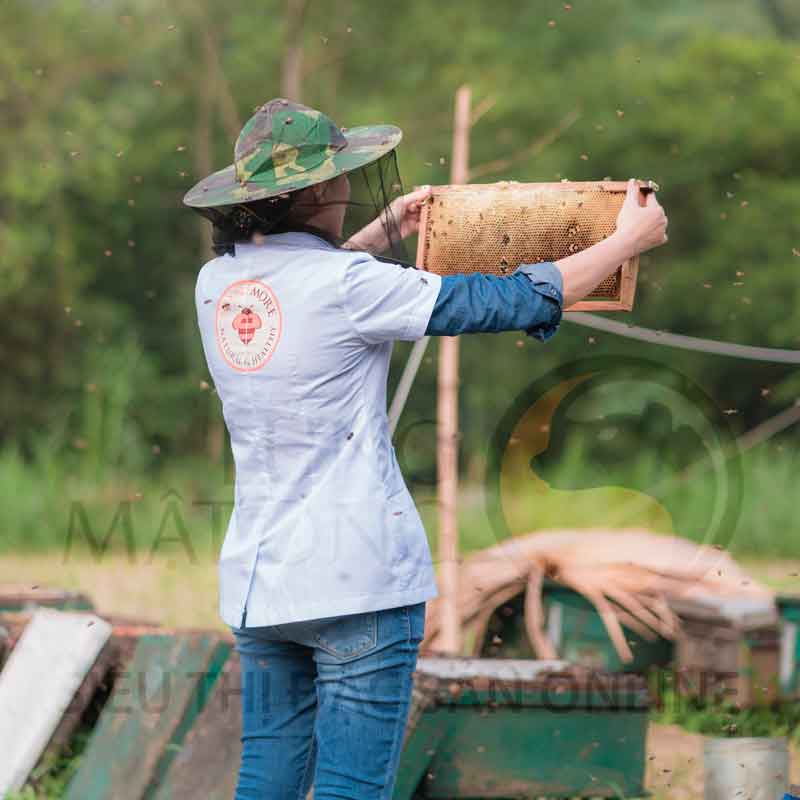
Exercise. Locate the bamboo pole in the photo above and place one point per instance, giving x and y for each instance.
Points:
(292, 62)
(447, 420)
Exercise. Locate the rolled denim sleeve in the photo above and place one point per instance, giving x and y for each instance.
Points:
(531, 300)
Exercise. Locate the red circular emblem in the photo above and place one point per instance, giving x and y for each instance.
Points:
(248, 325)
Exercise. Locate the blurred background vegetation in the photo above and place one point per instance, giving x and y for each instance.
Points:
(112, 110)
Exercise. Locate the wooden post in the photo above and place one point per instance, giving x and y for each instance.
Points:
(292, 62)
(447, 420)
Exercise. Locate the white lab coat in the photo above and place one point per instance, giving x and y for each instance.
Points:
(297, 336)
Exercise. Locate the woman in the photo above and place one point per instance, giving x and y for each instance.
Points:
(325, 567)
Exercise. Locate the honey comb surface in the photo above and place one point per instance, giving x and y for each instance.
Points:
(493, 228)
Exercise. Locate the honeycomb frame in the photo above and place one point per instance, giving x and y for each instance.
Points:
(487, 228)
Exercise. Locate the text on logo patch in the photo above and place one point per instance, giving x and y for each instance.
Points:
(248, 325)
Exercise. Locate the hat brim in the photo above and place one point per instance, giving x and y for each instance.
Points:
(365, 144)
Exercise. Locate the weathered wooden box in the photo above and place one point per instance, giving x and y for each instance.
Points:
(575, 629)
(729, 651)
(789, 610)
(514, 728)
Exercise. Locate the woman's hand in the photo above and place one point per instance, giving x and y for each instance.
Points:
(406, 210)
(639, 228)
(643, 227)
(403, 212)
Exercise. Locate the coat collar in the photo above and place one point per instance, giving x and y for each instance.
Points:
(288, 239)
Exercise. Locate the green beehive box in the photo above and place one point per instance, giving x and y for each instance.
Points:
(576, 630)
(514, 728)
(207, 764)
(154, 704)
(789, 610)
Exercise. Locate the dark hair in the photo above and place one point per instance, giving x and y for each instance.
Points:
(238, 223)
(373, 188)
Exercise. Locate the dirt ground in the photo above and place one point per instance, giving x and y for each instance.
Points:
(173, 592)
(675, 763)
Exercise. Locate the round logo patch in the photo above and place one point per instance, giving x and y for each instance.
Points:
(248, 325)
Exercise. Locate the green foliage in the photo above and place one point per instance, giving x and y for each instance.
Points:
(59, 498)
(679, 508)
(113, 110)
(725, 720)
(50, 778)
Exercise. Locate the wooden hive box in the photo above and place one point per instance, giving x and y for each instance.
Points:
(482, 727)
(728, 651)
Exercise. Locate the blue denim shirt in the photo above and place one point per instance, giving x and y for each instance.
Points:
(530, 300)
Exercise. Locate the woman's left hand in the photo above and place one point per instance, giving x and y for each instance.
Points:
(406, 210)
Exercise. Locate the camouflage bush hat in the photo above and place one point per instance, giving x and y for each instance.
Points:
(286, 146)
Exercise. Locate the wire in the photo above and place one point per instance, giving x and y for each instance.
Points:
(406, 382)
(770, 354)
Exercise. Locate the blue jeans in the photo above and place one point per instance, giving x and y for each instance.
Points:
(325, 701)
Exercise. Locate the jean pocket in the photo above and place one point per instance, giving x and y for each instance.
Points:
(349, 636)
(416, 616)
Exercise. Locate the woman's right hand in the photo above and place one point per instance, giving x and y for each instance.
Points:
(643, 227)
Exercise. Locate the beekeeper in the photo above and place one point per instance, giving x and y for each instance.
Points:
(325, 567)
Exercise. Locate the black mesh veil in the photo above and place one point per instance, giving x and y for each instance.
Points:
(371, 211)
(373, 189)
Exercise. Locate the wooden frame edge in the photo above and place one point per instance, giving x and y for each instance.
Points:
(629, 270)
(610, 186)
(422, 235)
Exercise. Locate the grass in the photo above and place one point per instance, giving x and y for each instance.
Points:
(143, 542)
(50, 778)
(724, 720)
(53, 502)
(168, 591)
(754, 519)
